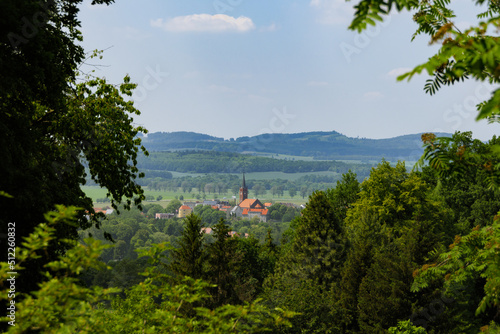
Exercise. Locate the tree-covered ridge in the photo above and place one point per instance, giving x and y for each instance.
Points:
(360, 258)
(230, 162)
(420, 246)
(320, 145)
(359, 272)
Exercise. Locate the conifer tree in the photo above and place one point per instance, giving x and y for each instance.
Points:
(221, 263)
(188, 258)
(319, 242)
(306, 275)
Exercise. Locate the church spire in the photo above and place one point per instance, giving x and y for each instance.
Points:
(243, 190)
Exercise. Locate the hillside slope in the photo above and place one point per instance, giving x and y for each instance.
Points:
(319, 145)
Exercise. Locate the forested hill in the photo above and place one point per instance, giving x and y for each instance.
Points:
(320, 145)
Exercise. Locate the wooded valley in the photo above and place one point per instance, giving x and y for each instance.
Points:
(377, 247)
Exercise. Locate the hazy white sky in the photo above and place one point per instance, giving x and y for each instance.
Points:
(233, 68)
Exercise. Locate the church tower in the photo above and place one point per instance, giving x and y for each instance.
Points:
(243, 190)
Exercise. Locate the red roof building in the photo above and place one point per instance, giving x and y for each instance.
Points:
(184, 210)
(249, 208)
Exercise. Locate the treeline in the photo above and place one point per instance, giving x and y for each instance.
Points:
(227, 162)
(399, 250)
(365, 257)
(398, 247)
(320, 145)
(131, 231)
(220, 185)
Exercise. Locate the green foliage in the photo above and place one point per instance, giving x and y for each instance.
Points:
(405, 327)
(393, 227)
(307, 273)
(466, 273)
(319, 241)
(279, 212)
(226, 162)
(221, 261)
(345, 194)
(56, 130)
(461, 157)
(492, 328)
(470, 256)
(188, 258)
(85, 115)
(208, 215)
(61, 305)
(173, 206)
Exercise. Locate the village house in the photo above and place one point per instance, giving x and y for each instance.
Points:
(164, 215)
(249, 208)
(106, 211)
(206, 230)
(184, 211)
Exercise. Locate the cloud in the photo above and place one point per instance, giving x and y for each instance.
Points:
(373, 95)
(333, 11)
(317, 83)
(205, 23)
(398, 71)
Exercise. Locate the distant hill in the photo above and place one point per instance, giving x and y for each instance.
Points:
(319, 145)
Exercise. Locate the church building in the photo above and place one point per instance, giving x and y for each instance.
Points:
(249, 208)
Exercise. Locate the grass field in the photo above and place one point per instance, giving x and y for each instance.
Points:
(95, 192)
(280, 156)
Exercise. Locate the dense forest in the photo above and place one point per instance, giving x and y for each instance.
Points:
(399, 251)
(137, 230)
(383, 255)
(319, 145)
(229, 162)
(357, 260)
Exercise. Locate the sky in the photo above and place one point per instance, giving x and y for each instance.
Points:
(233, 68)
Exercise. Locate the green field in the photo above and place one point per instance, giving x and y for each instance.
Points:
(96, 192)
(280, 156)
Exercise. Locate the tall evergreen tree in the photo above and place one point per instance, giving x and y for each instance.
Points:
(221, 262)
(189, 257)
(307, 274)
(319, 241)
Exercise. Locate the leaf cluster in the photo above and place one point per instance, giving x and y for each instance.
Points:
(62, 305)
